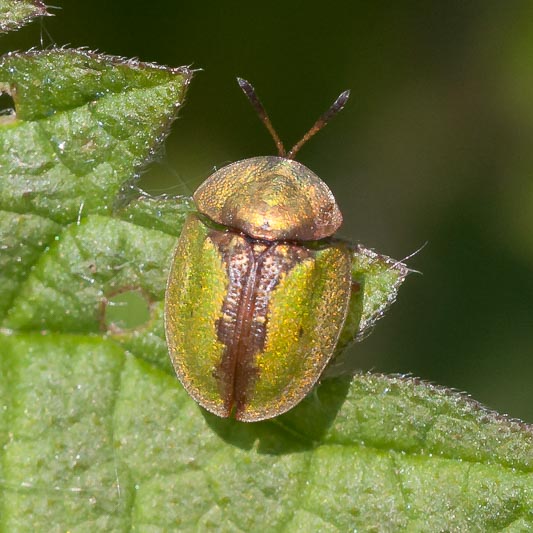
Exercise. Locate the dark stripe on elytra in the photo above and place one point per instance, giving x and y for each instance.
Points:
(254, 269)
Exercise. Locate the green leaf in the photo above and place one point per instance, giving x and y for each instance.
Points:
(96, 432)
(84, 124)
(16, 13)
(375, 282)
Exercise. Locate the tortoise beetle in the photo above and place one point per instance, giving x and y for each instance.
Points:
(258, 292)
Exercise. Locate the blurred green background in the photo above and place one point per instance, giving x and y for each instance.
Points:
(435, 146)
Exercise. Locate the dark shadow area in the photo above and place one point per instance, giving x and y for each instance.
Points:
(295, 431)
(471, 313)
(7, 105)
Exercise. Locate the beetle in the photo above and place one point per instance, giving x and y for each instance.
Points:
(258, 290)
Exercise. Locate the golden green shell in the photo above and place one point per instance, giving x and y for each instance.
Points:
(289, 323)
(270, 198)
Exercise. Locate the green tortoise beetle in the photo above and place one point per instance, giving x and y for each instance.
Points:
(257, 293)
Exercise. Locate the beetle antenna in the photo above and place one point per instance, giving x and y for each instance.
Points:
(250, 93)
(336, 106)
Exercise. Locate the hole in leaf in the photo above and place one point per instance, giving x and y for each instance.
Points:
(126, 310)
(7, 107)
